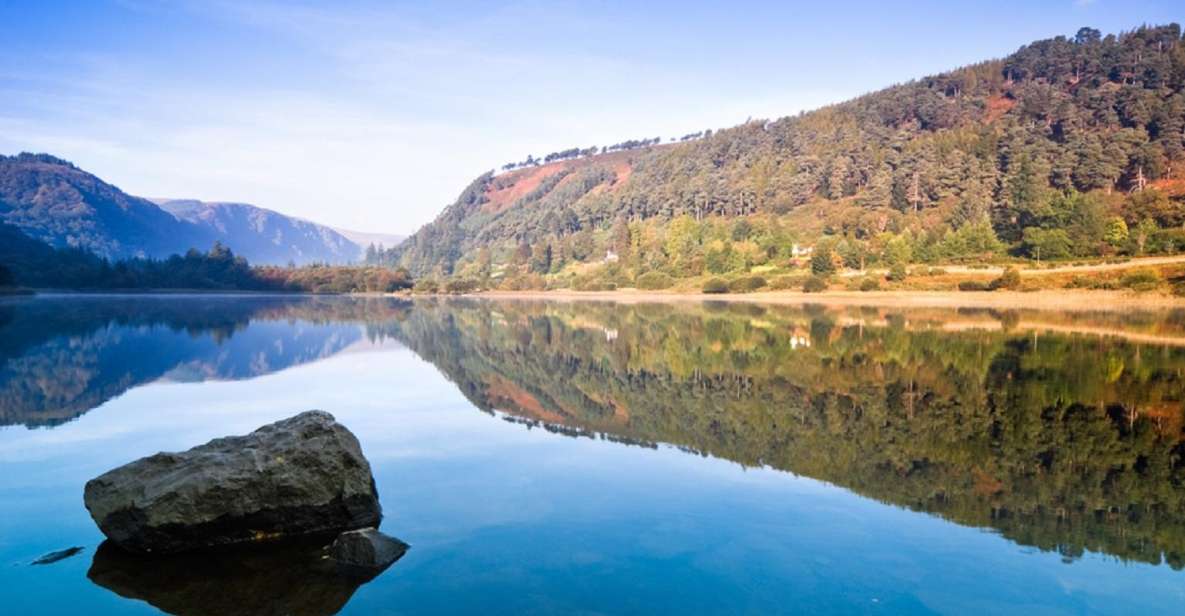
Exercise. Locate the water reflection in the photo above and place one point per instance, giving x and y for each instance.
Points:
(1066, 441)
(290, 579)
(63, 357)
(1059, 431)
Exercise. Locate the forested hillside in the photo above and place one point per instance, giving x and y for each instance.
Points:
(1069, 147)
(55, 202)
(51, 200)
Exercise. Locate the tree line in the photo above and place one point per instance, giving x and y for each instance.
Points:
(573, 153)
(26, 262)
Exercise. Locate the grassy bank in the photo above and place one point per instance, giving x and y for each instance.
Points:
(1150, 281)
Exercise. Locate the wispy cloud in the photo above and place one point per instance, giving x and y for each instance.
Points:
(374, 115)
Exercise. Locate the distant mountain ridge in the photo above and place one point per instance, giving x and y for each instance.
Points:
(53, 201)
(265, 236)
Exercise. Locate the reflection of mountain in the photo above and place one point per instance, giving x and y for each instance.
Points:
(1064, 442)
(62, 358)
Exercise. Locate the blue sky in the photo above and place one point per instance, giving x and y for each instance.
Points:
(374, 115)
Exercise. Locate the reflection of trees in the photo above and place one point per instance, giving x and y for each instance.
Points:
(1067, 443)
(61, 358)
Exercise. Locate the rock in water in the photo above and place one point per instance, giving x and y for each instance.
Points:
(366, 550)
(53, 557)
(300, 476)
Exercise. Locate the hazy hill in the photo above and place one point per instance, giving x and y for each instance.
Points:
(366, 238)
(1034, 152)
(51, 200)
(264, 236)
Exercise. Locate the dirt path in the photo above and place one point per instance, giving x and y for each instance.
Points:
(1026, 270)
(1077, 300)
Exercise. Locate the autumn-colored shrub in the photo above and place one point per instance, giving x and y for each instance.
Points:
(716, 285)
(815, 284)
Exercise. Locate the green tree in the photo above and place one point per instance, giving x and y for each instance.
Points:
(621, 238)
(822, 259)
(582, 245)
(541, 257)
(522, 256)
(741, 229)
(898, 251)
(880, 189)
(854, 253)
(720, 258)
(682, 243)
(1116, 233)
(1041, 243)
(1144, 230)
(484, 264)
(1153, 204)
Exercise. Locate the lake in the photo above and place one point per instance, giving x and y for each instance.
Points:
(591, 457)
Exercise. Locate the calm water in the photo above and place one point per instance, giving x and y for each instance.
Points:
(597, 458)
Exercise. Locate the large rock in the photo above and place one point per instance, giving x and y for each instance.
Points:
(300, 476)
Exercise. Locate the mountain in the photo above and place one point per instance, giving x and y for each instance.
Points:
(1066, 148)
(53, 201)
(265, 236)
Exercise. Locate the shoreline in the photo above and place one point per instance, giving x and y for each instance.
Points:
(1052, 299)
(158, 292)
(1076, 300)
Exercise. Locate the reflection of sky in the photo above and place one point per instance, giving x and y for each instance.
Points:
(68, 375)
(506, 519)
(266, 346)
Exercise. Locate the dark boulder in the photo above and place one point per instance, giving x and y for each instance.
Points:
(366, 551)
(299, 476)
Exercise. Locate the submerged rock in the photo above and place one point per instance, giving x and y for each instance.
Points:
(366, 550)
(299, 476)
(55, 556)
